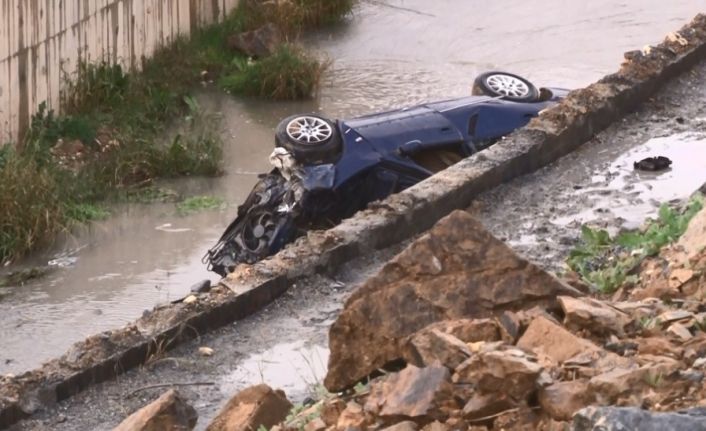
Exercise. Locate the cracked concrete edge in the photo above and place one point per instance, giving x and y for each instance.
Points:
(555, 133)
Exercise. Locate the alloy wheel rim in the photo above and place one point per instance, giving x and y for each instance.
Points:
(507, 85)
(309, 130)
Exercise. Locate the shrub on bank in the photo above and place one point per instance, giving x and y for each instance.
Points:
(288, 74)
(110, 144)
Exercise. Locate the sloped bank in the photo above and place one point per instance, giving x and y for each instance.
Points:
(557, 132)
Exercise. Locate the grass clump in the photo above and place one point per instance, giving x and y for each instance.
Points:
(607, 262)
(288, 74)
(30, 205)
(196, 204)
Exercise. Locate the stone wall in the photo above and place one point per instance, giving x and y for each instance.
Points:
(43, 41)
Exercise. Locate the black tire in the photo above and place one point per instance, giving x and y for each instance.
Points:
(308, 147)
(507, 86)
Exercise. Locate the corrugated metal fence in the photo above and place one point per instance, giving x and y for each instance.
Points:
(43, 41)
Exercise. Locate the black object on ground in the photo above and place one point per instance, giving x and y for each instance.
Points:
(653, 164)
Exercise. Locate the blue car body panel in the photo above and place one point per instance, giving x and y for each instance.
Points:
(374, 140)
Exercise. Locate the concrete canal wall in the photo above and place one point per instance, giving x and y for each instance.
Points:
(42, 42)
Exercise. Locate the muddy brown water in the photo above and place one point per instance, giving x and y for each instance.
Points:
(390, 54)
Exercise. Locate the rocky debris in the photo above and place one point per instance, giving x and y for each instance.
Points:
(631, 418)
(352, 417)
(433, 346)
(510, 372)
(692, 241)
(678, 272)
(258, 43)
(482, 340)
(441, 276)
(475, 360)
(413, 392)
(252, 408)
(549, 339)
(168, 412)
(562, 399)
(593, 315)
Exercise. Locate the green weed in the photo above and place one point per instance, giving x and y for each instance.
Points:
(607, 263)
(199, 203)
(654, 380)
(84, 212)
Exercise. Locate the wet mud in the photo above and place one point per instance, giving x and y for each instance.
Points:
(540, 214)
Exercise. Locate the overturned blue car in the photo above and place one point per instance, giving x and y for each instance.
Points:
(325, 171)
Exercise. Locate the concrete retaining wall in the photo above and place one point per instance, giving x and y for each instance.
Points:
(555, 133)
(43, 41)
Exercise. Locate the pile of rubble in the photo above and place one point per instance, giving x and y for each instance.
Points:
(459, 333)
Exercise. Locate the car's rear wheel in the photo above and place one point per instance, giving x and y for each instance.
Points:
(507, 86)
(310, 138)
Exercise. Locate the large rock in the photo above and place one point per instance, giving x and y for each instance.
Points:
(457, 270)
(634, 419)
(413, 393)
(257, 43)
(251, 408)
(168, 412)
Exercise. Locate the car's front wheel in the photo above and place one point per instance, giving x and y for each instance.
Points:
(310, 138)
(505, 85)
